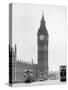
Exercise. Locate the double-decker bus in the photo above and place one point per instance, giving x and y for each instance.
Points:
(63, 73)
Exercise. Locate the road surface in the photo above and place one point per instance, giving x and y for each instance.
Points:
(48, 82)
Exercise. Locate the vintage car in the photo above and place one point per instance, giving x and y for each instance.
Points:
(43, 77)
(28, 76)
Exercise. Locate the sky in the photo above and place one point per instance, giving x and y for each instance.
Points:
(25, 24)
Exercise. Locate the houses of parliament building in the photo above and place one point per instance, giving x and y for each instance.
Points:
(17, 67)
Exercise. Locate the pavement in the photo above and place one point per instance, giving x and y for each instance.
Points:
(38, 83)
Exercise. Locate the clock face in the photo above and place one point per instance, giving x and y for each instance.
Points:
(41, 37)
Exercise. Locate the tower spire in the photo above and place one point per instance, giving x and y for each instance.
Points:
(42, 20)
(42, 13)
(42, 16)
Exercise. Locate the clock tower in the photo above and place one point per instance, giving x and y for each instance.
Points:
(42, 42)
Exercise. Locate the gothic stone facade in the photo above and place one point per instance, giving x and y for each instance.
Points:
(17, 67)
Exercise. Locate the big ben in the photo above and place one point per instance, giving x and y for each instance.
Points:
(42, 42)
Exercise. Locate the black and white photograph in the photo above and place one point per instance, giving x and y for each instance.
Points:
(37, 44)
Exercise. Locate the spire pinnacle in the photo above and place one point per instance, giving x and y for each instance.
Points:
(15, 48)
(42, 13)
(42, 19)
